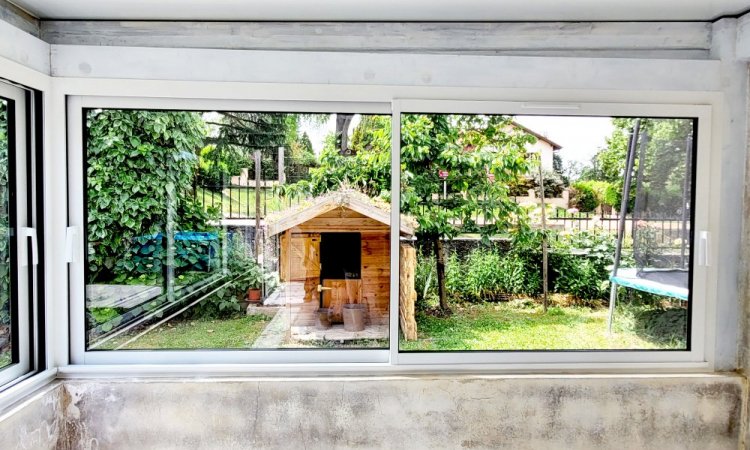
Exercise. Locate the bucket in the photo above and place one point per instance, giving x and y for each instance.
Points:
(324, 318)
(354, 317)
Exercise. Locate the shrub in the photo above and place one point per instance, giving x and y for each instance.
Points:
(580, 277)
(583, 276)
(456, 283)
(140, 172)
(147, 255)
(587, 195)
(425, 280)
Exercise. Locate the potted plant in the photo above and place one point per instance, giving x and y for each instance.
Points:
(251, 279)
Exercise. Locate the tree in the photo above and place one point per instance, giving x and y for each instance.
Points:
(244, 133)
(664, 163)
(139, 179)
(367, 169)
(481, 155)
(478, 158)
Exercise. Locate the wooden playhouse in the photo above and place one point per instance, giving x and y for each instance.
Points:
(338, 246)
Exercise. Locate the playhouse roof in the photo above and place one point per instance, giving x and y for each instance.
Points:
(345, 198)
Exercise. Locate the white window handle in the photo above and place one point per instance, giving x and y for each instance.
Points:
(704, 248)
(71, 244)
(23, 234)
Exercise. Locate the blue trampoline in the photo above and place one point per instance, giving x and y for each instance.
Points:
(662, 194)
(665, 282)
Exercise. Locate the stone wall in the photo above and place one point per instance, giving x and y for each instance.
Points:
(414, 412)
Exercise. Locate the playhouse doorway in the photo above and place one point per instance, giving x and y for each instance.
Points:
(340, 270)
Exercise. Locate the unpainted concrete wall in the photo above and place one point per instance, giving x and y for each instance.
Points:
(683, 412)
(36, 423)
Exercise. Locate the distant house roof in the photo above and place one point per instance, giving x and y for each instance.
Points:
(555, 146)
(345, 198)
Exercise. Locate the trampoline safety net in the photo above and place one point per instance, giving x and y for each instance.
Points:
(657, 214)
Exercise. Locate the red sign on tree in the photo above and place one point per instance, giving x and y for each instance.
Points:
(443, 174)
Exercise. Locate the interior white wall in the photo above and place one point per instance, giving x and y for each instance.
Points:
(205, 73)
(20, 47)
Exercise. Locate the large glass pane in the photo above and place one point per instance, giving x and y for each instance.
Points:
(524, 241)
(230, 229)
(6, 341)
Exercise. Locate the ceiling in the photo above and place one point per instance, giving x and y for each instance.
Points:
(386, 10)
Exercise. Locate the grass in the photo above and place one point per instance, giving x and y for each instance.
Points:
(240, 202)
(6, 358)
(515, 325)
(239, 332)
(523, 325)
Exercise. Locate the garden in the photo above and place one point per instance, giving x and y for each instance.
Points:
(168, 269)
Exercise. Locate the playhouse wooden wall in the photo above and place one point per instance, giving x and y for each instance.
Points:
(302, 245)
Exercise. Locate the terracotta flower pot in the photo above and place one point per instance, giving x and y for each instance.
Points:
(253, 295)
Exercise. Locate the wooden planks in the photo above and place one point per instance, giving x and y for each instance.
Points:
(340, 225)
(407, 294)
(376, 272)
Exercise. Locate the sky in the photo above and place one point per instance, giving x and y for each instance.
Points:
(580, 137)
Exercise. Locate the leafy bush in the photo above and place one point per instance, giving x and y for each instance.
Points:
(147, 255)
(242, 273)
(585, 276)
(425, 281)
(488, 274)
(580, 277)
(456, 282)
(140, 174)
(4, 230)
(587, 195)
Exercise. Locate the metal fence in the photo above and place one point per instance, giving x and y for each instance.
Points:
(665, 230)
(235, 196)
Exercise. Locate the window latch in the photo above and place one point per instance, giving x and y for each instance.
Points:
(25, 233)
(71, 244)
(704, 248)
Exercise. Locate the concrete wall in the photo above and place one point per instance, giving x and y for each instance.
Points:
(515, 412)
(36, 423)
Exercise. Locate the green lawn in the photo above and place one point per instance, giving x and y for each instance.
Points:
(524, 326)
(517, 325)
(238, 332)
(6, 358)
(240, 202)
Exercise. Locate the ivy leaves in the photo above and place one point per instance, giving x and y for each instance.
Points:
(140, 170)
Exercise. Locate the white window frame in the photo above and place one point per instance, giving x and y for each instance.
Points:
(76, 183)
(698, 358)
(703, 294)
(23, 320)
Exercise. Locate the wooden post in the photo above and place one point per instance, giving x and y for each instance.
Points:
(407, 295)
(257, 206)
(544, 234)
(282, 173)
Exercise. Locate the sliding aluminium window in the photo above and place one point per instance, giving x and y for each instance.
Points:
(542, 231)
(18, 244)
(420, 232)
(241, 229)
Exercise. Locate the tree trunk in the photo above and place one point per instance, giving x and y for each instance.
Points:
(440, 259)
